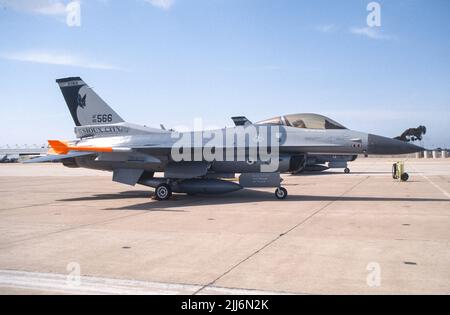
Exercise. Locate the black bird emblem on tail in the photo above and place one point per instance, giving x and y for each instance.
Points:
(81, 101)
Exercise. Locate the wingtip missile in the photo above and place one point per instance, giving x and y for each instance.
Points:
(63, 147)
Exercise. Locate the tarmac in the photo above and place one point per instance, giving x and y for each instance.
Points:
(72, 231)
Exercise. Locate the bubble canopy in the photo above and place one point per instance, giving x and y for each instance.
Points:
(307, 121)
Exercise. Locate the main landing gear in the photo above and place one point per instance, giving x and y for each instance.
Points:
(281, 193)
(163, 192)
(164, 187)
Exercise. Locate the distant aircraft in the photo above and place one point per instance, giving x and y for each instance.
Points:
(9, 159)
(14, 155)
(196, 162)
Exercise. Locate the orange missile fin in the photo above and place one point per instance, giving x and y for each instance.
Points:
(58, 147)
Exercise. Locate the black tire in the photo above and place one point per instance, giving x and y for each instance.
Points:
(347, 170)
(404, 177)
(281, 193)
(163, 192)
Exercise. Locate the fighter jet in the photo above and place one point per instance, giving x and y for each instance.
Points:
(200, 162)
(9, 159)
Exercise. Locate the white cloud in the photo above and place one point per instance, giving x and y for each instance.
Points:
(41, 7)
(326, 28)
(162, 4)
(60, 59)
(370, 32)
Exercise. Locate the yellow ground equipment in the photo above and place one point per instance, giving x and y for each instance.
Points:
(398, 171)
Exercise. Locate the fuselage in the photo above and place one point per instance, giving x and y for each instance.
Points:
(290, 143)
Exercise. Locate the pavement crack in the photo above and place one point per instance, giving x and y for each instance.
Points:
(28, 206)
(280, 235)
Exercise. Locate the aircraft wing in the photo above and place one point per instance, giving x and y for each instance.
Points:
(64, 150)
(57, 157)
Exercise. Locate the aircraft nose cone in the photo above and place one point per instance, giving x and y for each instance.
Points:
(383, 145)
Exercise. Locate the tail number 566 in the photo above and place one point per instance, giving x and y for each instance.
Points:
(102, 118)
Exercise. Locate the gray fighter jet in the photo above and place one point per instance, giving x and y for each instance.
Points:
(200, 162)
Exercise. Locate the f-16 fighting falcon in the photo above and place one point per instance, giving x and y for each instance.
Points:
(199, 162)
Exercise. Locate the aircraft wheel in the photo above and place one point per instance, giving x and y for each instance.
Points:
(404, 177)
(281, 193)
(163, 192)
(347, 170)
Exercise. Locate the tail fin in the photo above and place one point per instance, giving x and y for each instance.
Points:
(85, 106)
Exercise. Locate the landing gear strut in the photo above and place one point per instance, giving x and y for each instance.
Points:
(163, 192)
(281, 193)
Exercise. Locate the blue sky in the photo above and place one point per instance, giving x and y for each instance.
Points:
(163, 61)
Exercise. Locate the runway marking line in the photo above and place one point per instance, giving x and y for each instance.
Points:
(436, 186)
(54, 282)
(432, 183)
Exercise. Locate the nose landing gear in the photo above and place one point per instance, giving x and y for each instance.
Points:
(281, 193)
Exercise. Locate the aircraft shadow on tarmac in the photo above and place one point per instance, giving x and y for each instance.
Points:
(240, 197)
(342, 173)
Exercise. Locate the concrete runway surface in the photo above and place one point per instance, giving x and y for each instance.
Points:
(70, 231)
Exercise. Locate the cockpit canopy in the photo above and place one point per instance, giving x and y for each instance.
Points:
(307, 121)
